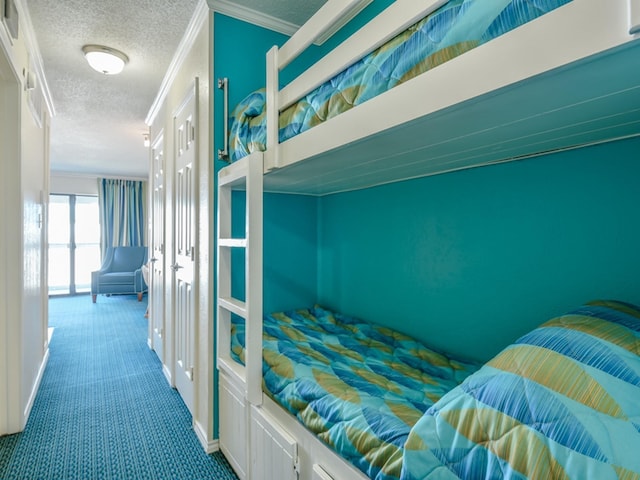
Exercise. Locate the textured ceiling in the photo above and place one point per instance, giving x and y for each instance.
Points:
(293, 11)
(99, 123)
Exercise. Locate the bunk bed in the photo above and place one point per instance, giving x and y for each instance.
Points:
(572, 73)
(569, 78)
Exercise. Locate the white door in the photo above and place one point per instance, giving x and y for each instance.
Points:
(184, 245)
(156, 311)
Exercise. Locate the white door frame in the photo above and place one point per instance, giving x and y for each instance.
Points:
(157, 271)
(11, 418)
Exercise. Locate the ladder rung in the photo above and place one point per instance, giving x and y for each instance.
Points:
(232, 242)
(233, 305)
(233, 174)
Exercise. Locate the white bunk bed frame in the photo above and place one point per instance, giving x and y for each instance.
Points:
(392, 137)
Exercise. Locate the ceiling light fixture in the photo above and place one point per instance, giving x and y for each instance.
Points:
(104, 59)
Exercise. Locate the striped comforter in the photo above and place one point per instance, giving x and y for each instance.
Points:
(453, 29)
(562, 402)
(359, 387)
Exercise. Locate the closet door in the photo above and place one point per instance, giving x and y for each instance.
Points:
(156, 312)
(184, 245)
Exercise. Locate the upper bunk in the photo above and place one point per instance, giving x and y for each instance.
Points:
(569, 78)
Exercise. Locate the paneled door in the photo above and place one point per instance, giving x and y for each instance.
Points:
(156, 312)
(184, 244)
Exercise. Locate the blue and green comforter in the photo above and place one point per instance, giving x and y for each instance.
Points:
(453, 29)
(359, 387)
(562, 402)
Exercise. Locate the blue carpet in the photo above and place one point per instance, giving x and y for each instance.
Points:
(104, 409)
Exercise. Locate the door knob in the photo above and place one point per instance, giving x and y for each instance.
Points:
(176, 266)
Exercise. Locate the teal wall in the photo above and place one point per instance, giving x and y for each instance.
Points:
(314, 52)
(289, 253)
(239, 54)
(468, 261)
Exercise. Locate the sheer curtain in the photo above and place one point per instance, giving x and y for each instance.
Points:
(123, 212)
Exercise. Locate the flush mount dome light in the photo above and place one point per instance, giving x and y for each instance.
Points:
(104, 59)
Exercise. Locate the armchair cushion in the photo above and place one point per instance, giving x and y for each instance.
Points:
(121, 272)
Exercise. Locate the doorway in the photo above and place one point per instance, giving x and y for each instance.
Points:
(74, 243)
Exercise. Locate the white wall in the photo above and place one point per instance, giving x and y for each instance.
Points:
(195, 63)
(74, 184)
(79, 184)
(10, 214)
(24, 184)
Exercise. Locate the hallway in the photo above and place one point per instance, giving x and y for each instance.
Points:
(104, 409)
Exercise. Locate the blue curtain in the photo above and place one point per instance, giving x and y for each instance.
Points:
(123, 212)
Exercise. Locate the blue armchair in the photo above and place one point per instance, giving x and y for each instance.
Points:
(121, 273)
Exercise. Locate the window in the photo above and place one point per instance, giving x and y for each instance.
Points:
(74, 243)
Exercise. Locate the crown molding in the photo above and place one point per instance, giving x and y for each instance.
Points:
(240, 12)
(188, 40)
(35, 57)
(203, 8)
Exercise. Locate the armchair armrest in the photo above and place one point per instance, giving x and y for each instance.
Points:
(140, 284)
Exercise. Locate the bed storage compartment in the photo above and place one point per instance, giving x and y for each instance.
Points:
(274, 452)
(233, 425)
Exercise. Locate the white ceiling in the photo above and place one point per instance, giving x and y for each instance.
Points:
(99, 123)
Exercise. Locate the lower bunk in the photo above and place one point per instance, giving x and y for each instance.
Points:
(346, 399)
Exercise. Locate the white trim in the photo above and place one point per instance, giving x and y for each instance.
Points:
(188, 40)
(328, 19)
(167, 374)
(260, 19)
(11, 254)
(209, 446)
(36, 386)
(6, 43)
(34, 54)
(634, 17)
(245, 14)
(351, 14)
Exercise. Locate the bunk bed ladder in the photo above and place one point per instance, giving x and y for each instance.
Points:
(240, 385)
(246, 174)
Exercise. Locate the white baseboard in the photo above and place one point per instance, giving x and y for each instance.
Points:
(209, 446)
(167, 374)
(36, 386)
